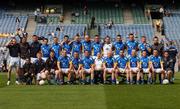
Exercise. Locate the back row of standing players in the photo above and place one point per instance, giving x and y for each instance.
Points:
(82, 57)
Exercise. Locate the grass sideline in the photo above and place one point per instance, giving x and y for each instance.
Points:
(90, 97)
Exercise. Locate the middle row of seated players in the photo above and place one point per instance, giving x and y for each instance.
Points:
(76, 68)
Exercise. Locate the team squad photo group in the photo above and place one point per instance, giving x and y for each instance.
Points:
(91, 61)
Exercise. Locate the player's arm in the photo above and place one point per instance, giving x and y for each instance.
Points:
(58, 65)
(162, 65)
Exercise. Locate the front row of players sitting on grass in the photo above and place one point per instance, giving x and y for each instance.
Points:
(131, 69)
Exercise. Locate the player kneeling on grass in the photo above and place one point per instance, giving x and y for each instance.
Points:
(28, 69)
(168, 66)
(98, 67)
(108, 65)
(64, 65)
(121, 67)
(76, 66)
(87, 67)
(39, 66)
(51, 68)
(145, 67)
(134, 67)
(156, 66)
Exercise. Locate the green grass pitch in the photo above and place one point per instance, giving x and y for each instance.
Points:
(90, 96)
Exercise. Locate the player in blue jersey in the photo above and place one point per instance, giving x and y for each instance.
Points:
(108, 65)
(144, 46)
(134, 67)
(121, 66)
(45, 49)
(56, 47)
(118, 46)
(64, 64)
(156, 66)
(76, 65)
(131, 44)
(76, 45)
(96, 46)
(65, 45)
(145, 67)
(87, 67)
(87, 44)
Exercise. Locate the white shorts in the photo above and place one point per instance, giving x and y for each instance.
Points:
(22, 62)
(14, 61)
(109, 69)
(158, 70)
(87, 71)
(33, 60)
(65, 70)
(145, 70)
(135, 69)
(121, 70)
(115, 56)
(94, 57)
(44, 58)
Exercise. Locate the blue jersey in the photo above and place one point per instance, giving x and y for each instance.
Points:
(56, 48)
(45, 50)
(156, 61)
(118, 47)
(97, 48)
(121, 62)
(76, 62)
(130, 46)
(64, 61)
(87, 62)
(133, 60)
(67, 47)
(144, 62)
(76, 47)
(144, 46)
(87, 46)
(109, 61)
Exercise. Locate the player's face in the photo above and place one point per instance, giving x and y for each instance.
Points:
(76, 55)
(156, 40)
(35, 38)
(166, 54)
(45, 41)
(109, 54)
(13, 41)
(143, 39)
(39, 55)
(87, 38)
(99, 55)
(77, 38)
(23, 40)
(55, 40)
(107, 40)
(133, 53)
(52, 54)
(96, 39)
(131, 37)
(144, 54)
(86, 53)
(64, 53)
(66, 39)
(121, 53)
(118, 39)
(155, 53)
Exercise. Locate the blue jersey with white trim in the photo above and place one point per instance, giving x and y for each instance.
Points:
(118, 47)
(144, 46)
(64, 61)
(76, 47)
(56, 48)
(131, 45)
(87, 46)
(121, 61)
(133, 61)
(156, 61)
(67, 47)
(144, 62)
(76, 62)
(87, 62)
(45, 50)
(97, 48)
(109, 61)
